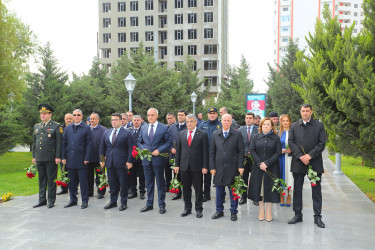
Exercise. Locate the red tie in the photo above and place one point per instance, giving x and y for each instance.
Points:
(190, 138)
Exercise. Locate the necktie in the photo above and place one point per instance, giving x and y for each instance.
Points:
(43, 125)
(248, 134)
(190, 138)
(114, 137)
(151, 135)
(135, 131)
(225, 134)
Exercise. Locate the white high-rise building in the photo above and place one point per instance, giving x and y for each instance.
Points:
(171, 30)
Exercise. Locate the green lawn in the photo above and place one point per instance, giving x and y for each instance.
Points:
(362, 176)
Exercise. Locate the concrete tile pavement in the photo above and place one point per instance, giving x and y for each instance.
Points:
(347, 213)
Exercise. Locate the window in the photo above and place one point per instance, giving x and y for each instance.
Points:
(178, 65)
(210, 81)
(355, 5)
(178, 19)
(133, 36)
(210, 49)
(163, 64)
(106, 37)
(284, 29)
(178, 35)
(285, 9)
(106, 7)
(208, 2)
(355, 14)
(163, 36)
(121, 22)
(121, 37)
(178, 50)
(192, 3)
(149, 5)
(134, 49)
(208, 17)
(285, 18)
(106, 53)
(285, 40)
(192, 18)
(106, 22)
(149, 36)
(121, 51)
(192, 34)
(210, 65)
(163, 6)
(192, 49)
(178, 4)
(149, 20)
(133, 5)
(163, 21)
(208, 33)
(194, 67)
(163, 52)
(121, 6)
(133, 21)
(149, 49)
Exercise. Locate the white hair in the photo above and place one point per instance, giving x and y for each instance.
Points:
(156, 111)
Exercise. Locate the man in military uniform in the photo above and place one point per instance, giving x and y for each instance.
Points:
(210, 126)
(47, 154)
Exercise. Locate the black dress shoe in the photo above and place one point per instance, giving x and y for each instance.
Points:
(110, 205)
(256, 203)
(243, 200)
(100, 196)
(142, 196)
(199, 214)
(70, 204)
(162, 210)
(84, 205)
(217, 215)
(51, 205)
(295, 220)
(40, 204)
(146, 208)
(62, 192)
(318, 221)
(176, 197)
(185, 213)
(233, 217)
(122, 207)
(206, 198)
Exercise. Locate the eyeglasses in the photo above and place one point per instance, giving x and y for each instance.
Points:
(76, 114)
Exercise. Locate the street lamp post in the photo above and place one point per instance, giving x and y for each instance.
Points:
(10, 96)
(130, 82)
(193, 98)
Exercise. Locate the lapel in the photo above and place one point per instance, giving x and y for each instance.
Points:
(156, 131)
(194, 138)
(184, 138)
(120, 132)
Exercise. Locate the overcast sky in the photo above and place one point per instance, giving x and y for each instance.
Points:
(71, 26)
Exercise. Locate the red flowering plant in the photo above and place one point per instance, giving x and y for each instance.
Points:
(102, 177)
(175, 186)
(311, 174)
(98, 169)
(238, 188)
(63, 179)
(145, 153)
(31, 171)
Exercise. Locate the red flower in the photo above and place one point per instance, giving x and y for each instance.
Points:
(289, 187)
(233, 189)
(64, 184)
(234, 198)
(177, 191)
(98, 170)
(32, 175)
(58, 183)
(134, 148)
(134, 153)
(313, 184)
(173, 189)
(128, 172)
(106, 185)
(284, 193)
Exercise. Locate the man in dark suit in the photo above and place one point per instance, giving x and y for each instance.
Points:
(171, 119)
(47, 154)
(116, 146)
(307, 140)
(97, 131)
(154, 137)
(192, 160)
(226, 160)
(247, 133)
(137, 168)
(76, 153)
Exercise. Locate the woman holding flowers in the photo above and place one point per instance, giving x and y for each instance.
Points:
(265, 149)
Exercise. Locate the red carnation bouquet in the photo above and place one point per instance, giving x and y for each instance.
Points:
(102, 177)
(98, 169)
(145, 154)
(31, 171)
(63, 179)
(238, 188)
(278, 183)
(175, 186)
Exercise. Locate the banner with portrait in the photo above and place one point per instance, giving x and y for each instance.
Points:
(256, 103)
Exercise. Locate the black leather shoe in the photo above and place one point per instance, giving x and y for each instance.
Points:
(142, 196)
(318, 221)
(243, 200)
(162, 210)
(62, 192)
(40, 204)
(217, 215)
(199, 214)
(256, 203)
(146, 208)
(51, 205)
(123, 207)
(233, 217)
(100, 196)
(131, 196)
(176, 197)
(206, 198)
(185, 213)
(70, 204)
(295, 220)
(110, 205)
(84, 205)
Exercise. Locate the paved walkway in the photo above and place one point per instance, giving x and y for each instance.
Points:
(347, 213)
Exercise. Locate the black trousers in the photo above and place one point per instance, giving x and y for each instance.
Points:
(78, 175)
(297, 195)
(246, 173)
(168, 176)
(207, 183)
(93, 177)
(47, 171)
(137, 170)
(194, 178)
(118, 183)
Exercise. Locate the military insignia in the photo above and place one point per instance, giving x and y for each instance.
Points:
(49, 135)
(61, 130)
(218, 127)
(36, 131)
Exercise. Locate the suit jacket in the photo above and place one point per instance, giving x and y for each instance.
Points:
(312, 139)
(97, 134)
(246, 143)
(161, 141)
(120, 152)
(47, 141)
(76, 147)
(135, 139)
(196, 156)
(226, 156)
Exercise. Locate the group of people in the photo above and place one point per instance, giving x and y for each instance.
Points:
(201, 150)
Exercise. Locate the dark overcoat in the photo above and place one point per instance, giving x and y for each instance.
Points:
(267, 149)
(226, 156)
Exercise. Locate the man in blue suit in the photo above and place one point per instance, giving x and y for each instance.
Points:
(76, 153)
(117, 146)
(154, 137)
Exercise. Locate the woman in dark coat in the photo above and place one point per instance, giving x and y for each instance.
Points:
(265, 148)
